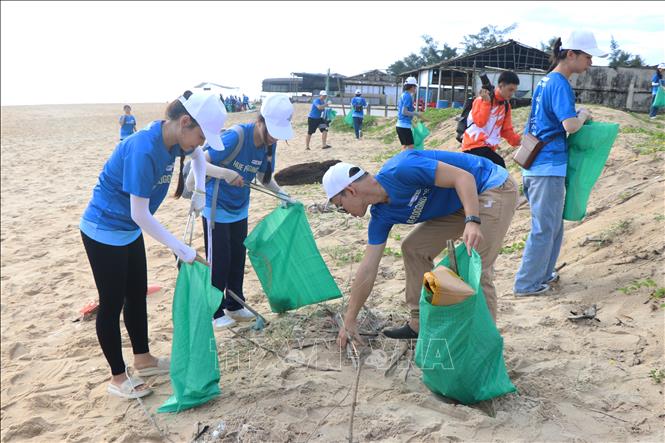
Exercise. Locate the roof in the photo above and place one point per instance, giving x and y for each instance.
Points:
(312, 74)
(215, 85)
(523, 58)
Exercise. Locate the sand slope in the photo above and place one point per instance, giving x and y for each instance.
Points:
(586, 381)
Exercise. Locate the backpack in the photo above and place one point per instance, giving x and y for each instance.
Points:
(462, 119)
(358, 107)
(187, 193)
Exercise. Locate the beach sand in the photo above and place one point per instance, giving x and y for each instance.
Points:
(583, 381)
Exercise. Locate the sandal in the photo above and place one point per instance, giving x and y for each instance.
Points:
(326, 147)
(404, 333)
(128, 388)
(163, 366)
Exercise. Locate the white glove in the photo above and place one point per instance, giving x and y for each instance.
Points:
(185, 253)
(288, 200)
(198, 202)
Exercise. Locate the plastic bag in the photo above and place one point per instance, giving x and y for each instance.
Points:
(459, 349)
(194, 366)
(348, 120)
(330, 114)
(659, 101)
(420, 132)
(588, 150)
(284, 255)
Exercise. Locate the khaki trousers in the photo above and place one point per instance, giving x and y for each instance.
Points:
(428, 239)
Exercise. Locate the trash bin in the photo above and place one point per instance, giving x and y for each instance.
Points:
(457, 105)
(442, 104)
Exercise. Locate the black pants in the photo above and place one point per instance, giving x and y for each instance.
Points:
(357, 125)
(122, 281)
(489, 154)
(228, 260)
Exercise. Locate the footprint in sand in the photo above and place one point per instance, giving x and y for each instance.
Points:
(28, 429)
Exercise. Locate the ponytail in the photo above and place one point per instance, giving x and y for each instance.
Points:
(559, 54)
(174, 111)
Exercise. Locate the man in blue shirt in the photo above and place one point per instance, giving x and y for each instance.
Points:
(316, 120)
(405, 113)
(127, 123)
(358, 104)
(448, 195)
(657, 81)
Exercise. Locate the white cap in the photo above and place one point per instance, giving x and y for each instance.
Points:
(336, 178)
(358, 91)
(583, 41)
(277, 110)
(661, 65)
(323, 92)
(209, 112)
(411, 81)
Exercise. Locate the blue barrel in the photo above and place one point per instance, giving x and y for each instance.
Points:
(442, 104)
(457, 105)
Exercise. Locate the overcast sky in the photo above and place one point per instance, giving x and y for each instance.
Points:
(130, 52)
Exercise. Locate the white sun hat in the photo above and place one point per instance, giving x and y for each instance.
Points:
(583, 41)
(277, 111)
(411, 81)
(358, 91)
(209, 112)
(336, 178)
(323, 92)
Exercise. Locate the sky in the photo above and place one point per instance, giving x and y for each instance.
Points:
(134, 52)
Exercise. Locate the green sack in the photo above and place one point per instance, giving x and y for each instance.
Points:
(348, 120)
(420, 132)
(659, 102)
(588, 150)
(194, 366)
(330, 114)
(286, 260)
(459, 349)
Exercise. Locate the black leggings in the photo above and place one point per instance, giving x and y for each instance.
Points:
(228, 260)
(121, 277)
(489, 154)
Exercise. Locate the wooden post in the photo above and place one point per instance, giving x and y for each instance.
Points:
(427, 89)
(438, 95)
(452, 88)
(385, 112)
(339, 88)
(369, 109)
(466, 85)
(631, 93)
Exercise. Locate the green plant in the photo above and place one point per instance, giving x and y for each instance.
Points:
(659, 217)
(396, 236)
(434, 116)
(389, 137)
(393, 252)
(516, 246)
(620, 228)
(651, 140)
(382, 157)
(657, 375)
(637, 284)
(434, 142)
(343, 255)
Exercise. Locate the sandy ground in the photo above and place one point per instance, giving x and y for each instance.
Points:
(585, 381)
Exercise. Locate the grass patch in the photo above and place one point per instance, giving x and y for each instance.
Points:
(659, 218)
(392, 252)
(389, 138)
(635, 285)
(369, 123)
(652, 140)
(434, 142)
(344, 255)
(657, 376)
(380, 158)
(620, 228)
(381, 124)
(434, 116)
(516, 246)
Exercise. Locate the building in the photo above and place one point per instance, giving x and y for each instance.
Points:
(618, 88)
(450, 82)
(378, 87)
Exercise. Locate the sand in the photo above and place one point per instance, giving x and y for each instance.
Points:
(585, 381)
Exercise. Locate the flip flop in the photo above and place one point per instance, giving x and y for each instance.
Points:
(326, 147)
(127, 388)
(163, 365)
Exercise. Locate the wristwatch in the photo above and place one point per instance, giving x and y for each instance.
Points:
(472, 219)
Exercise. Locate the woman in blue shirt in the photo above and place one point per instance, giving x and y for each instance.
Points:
(657, 81)
(553, 115)
(358, 104)
(130, 188)
(405, 113)
(237, 168)
(127, 123)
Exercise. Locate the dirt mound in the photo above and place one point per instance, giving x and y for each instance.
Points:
(304, 173)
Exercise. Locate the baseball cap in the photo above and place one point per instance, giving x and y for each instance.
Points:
(583, 41)
(661, 65)
(209, 112)
(411, 81)
(277, 110)
(323, 92)
(336, 178)
(358, 91)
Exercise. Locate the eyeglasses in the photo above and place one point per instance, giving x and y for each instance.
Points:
(340, 207)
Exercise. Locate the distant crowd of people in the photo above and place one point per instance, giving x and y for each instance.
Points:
(236, 104)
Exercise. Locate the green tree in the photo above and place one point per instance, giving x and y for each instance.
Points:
(432, 52)
(622, 58)
(488, 36)
(547, 47)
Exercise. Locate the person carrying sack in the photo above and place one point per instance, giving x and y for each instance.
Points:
(316, 120)
(447, 195)
(358, 104)
(544, 157)
(249, 152)
(130, 188)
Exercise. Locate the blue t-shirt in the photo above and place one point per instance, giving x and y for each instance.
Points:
(553, 102)
(140, 165)
(659, 82)
(233, 201)
(409, 177)
(316, 112)
(358, 101)
(405, 102)
(127, 127)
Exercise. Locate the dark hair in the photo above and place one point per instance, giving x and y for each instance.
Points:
(353, 171)
(658, 73)
(407, 87)
(559, 54)
(126, 106)
(174, 111)
(509, 78)
(267, 176)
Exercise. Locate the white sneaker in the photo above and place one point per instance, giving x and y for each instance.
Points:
(223, 322)
(242, 315)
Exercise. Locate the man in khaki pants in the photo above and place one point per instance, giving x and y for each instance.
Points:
(447, 194)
